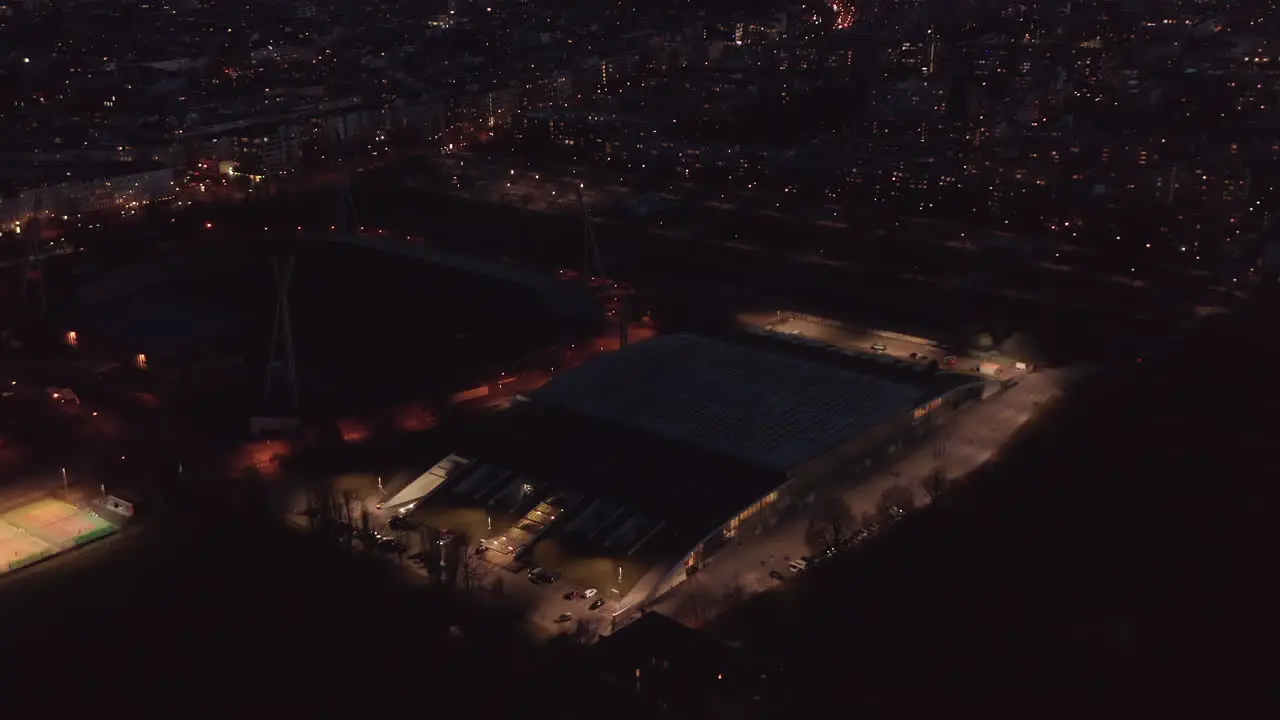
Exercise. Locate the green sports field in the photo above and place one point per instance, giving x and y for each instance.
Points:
(37, 530)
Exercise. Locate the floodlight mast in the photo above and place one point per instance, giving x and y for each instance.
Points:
(33, 268)
(592, 265)
(281, 361)
(347, 220)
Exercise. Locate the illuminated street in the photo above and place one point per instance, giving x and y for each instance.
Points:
(846, 13)
(968, 440)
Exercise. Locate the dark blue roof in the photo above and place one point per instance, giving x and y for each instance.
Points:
(772, 411)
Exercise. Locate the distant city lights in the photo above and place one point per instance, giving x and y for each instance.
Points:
(845, 13)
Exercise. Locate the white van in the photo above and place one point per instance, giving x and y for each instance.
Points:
(798, 565)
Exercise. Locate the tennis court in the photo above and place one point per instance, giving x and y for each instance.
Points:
(19, 548)
(46, 527)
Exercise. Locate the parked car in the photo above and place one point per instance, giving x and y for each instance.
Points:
(597, 604)
(564, 617)
(400, 522)
(777, 575)
(542, 576)
(589, 592)
(571, 595)
(391, 545)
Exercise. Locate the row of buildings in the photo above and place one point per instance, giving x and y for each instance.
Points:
(278, 99)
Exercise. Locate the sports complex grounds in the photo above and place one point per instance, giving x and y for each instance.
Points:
(32, 530)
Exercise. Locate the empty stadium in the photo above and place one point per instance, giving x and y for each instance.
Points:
(632, 471)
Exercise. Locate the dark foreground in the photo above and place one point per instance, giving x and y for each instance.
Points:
(238, 616)
(1113, 561)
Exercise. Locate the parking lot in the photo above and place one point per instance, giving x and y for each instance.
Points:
(481, 572)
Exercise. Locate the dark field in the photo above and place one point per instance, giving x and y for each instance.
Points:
(368, 329)
(241, 617)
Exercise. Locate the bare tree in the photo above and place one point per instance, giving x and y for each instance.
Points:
(734, 594)
(830, 527)
(473, 571)
(584, 630)
(697, 608)
(936, 483)
(895, 502)
(347, 499)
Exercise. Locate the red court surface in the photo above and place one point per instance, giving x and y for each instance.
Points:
(45, 527)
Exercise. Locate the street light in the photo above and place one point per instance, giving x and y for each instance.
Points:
(65, 484)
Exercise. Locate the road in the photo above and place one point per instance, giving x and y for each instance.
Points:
(958, 447)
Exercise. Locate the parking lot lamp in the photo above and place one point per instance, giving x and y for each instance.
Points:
(444, 547)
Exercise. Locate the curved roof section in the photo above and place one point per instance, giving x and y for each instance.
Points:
(772, 411)
(566, 300)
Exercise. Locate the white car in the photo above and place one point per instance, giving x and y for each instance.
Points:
(589, 593)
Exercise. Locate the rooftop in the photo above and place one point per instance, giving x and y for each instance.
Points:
(771, 411)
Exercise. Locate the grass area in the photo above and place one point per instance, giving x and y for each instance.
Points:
(1104, 560)
(31, 559)
(95, 534)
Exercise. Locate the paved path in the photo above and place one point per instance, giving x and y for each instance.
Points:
(958, 447)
